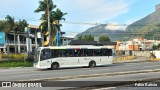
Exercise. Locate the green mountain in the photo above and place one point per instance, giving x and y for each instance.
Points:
(101, 30)
(147, 27)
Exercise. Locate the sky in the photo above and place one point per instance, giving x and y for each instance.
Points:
(83, 14)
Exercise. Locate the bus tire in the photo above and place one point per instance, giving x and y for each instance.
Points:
(92, 64)
(54, 66)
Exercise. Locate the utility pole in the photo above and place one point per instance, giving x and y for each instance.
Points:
(49, 25)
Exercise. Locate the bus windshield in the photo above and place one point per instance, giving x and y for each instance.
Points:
(36, 56)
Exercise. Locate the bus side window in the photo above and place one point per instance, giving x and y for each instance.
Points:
(52, 53)
(56, 53)
(72, 53)
(75, 53)
(42, 57)
(107, 52)
(104, 52)
(69, 53)
(88, 52)
(110, 52)
(79, 53)
(85, 52)
(64, 53)
(97, 52)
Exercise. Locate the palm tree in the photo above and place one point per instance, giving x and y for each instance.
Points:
(11, 26)
(46, 6)
(21, 24)
(2, 25)
(57, 16)
(10, 23)
(43, 6)
(16, 27)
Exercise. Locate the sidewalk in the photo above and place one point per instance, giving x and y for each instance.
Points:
(130, 59)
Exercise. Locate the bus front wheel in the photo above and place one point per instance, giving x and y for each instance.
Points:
(54, 66)
(92, 64)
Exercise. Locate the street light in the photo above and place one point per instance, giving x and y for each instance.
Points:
(27, 31)
(39, 37)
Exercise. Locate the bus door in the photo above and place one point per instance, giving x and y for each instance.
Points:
(45, 58)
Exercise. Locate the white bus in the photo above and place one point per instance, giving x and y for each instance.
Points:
(72, 56)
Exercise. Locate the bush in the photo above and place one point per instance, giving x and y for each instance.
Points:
(14, 56)
(155, 47)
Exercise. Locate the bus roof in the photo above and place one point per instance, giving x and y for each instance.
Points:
(76, 47)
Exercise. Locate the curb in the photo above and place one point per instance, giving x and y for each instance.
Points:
(133, 61)
(113, 85)
(93, 75)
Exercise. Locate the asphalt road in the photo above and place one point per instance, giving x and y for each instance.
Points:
(31, 73)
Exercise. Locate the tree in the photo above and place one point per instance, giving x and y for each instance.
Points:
(2, 25)
(21, 24)
(21, 27)
(51, 19)
(104, 38)
(155, 47)
(46, 6)
(11, 25)
(80, 38)
(57, 16)
(86, 37)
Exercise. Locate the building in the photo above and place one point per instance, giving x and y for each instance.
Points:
(135, 45)
(20, 45)
(157, 7)
(24, 42)
(66, 40)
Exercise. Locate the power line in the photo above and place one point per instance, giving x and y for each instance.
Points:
(129, 33)
(83, 23)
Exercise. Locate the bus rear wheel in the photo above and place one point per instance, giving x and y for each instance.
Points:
(92, 64)
(54, 66)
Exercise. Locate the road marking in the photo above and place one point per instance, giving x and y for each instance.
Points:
(104, 88)
(17, 73)
(100, 70)
(130, 65)
(152, 66)
(29, 75)
(15, 69)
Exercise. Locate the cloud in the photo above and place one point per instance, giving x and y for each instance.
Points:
(91, 11)
(71, 34)
(94, 10)
(115, 26)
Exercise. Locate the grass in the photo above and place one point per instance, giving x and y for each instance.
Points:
(15, 63)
